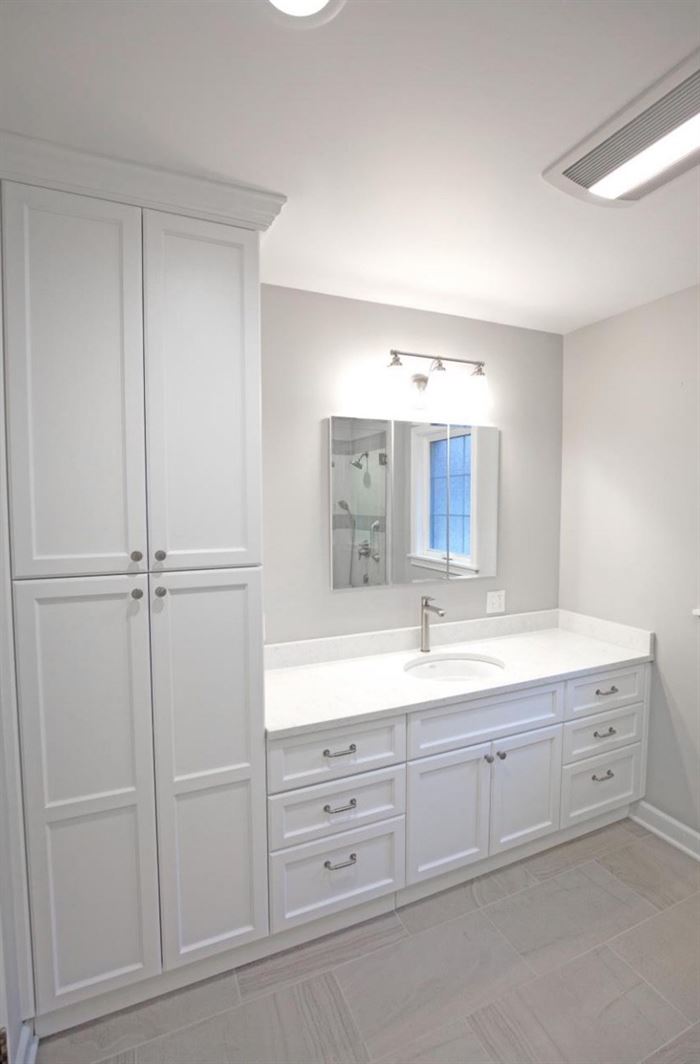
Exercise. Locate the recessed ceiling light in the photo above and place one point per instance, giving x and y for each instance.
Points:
(304, 14)
(300, 8)
(654, 139)
(659, 156)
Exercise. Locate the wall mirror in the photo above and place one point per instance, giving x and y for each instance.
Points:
(411, 502)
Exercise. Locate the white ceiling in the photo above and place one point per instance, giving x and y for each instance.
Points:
(409, 136)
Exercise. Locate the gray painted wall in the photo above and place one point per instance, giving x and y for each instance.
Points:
(630, 541)
(316, 350)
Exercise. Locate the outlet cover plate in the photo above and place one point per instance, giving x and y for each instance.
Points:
(495, 602)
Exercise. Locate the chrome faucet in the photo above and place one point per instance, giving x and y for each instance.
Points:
(427, 608)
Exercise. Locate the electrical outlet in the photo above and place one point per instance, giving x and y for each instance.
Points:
(495, 602)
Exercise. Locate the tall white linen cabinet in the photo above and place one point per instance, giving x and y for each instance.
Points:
(132, 378)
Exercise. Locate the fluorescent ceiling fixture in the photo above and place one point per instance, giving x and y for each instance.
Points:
(651, 162)
(300, 8)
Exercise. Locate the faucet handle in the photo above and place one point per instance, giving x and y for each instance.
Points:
(426, 600)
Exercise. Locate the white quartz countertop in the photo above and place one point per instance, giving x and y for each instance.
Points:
(303, 697)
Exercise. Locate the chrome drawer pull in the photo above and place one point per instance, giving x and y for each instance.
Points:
(613, 691)
(341, 864)
(501, 755)
(604, 735)
(352, 749)
(490, 758)
(601, 779)
(341, 808)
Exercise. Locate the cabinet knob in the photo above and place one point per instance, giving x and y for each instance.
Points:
(160, 556)
(490, 758)
(136, 555)
(501, 755)
(161, 592)
(137, 593)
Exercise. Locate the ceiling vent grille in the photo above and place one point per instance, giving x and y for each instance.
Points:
(630, 132)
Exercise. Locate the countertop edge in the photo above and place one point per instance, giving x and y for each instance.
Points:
(327, 724)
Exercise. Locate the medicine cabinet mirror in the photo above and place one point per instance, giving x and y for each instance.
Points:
(411, 502)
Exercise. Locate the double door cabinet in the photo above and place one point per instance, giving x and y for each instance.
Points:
(133, 431)
(361, 810)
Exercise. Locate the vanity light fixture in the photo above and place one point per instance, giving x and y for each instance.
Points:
(437, 368)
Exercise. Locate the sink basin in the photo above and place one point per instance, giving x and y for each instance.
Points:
(453, 667)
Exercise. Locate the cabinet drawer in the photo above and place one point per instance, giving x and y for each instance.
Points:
(600, 783)
(605, 690)
(603, 732)
(315, 812)
(468, 723)
(319, 878)
(326, 755)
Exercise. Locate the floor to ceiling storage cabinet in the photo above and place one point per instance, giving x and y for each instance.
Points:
(133, 373)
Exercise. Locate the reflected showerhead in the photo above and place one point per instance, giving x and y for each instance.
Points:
(357, 462)
(344, 505)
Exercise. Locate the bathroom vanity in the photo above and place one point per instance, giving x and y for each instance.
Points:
(383, 780)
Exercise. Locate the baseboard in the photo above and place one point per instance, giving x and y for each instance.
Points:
(27, 1046)
(668, 828)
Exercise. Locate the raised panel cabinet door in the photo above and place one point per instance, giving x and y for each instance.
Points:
(447, 804)
(87, 757)
(525, 787)
(206, 632)
(203, 393)
(74, 358)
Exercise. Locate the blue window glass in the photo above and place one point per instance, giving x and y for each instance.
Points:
(455, 518)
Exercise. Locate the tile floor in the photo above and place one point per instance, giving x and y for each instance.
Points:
(588, 954)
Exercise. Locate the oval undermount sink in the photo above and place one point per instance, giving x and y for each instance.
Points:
(453, 667)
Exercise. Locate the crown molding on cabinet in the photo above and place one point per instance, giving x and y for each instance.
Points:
(41, 162)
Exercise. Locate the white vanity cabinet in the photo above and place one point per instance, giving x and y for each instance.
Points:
(484, 777)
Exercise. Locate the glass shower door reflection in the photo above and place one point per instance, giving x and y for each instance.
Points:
(359, 501)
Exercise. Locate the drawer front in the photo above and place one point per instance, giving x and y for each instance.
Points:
(316, 812)
(603, 732)
(592, 787)
(467, 723)
(320, 878)
(327, 755)
(605, 690)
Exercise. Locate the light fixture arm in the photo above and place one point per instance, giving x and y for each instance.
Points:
(396, 357)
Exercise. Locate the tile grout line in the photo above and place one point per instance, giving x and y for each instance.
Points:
(674, 905)
(670, 1042)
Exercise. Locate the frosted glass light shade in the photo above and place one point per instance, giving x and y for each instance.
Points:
(300, 8)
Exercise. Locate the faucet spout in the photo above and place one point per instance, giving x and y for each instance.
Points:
(426, 608)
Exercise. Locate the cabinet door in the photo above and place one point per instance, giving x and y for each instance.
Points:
(203, 393)
(206, 636)
(448, 812)
(87, 754)
(526, 787)
(72, 270)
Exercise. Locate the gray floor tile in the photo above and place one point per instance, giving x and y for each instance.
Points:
(114, 1034)
(402, 992)
(634, 828)
(457, 901)
(578, 851)
(563, 917)
(682, 1050)
(308, 1023)
(129, 1057)
(666, 951)
(594, 1010)
(456, 1043)
(318, 956)
(659, 872)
